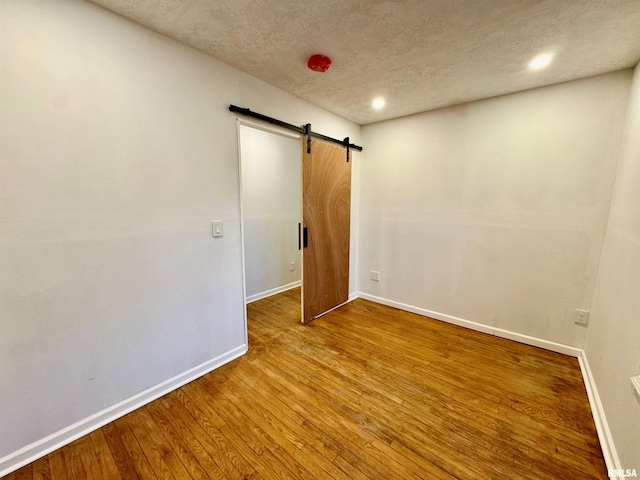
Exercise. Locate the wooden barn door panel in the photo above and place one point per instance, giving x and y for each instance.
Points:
(326, 199)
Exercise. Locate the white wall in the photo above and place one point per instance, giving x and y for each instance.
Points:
(494, 211)
(117, 152)
(271, 209)
(613, 342)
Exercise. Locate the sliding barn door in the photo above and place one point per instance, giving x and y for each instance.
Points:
(326, 200)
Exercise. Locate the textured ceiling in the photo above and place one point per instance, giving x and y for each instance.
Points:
(418, 54)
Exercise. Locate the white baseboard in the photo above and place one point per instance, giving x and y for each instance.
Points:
(602, 427)
(479, 327)
(273, 291)
(48, 444)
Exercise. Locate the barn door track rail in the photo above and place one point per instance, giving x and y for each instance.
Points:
(304, 130)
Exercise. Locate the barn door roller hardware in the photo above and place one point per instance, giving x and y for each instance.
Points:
(304, 131)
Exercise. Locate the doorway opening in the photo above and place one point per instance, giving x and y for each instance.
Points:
(271, 211)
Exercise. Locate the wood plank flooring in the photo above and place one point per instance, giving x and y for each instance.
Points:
(365, 392)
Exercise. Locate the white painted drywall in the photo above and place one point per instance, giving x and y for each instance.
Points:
(613, 342)
(117, 151)
(494, 211)
(271, 209)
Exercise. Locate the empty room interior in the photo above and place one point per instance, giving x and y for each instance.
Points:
(347, 239)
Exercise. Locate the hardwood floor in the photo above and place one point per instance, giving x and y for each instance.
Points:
(364, 392)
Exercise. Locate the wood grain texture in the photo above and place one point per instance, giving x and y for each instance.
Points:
(365, 392)
(326, 212)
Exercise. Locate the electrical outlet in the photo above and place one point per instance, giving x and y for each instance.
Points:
(375, 276)
(581, 317)
(636, 383)
(292, 266)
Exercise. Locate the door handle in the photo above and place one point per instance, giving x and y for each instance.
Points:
(305, 237)
(299, 240)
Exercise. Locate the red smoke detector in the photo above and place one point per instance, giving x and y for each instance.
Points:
(319, 63)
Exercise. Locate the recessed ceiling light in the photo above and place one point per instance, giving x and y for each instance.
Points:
(378, 103)
(540, 62)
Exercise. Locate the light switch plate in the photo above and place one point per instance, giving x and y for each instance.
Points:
(216, 228)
